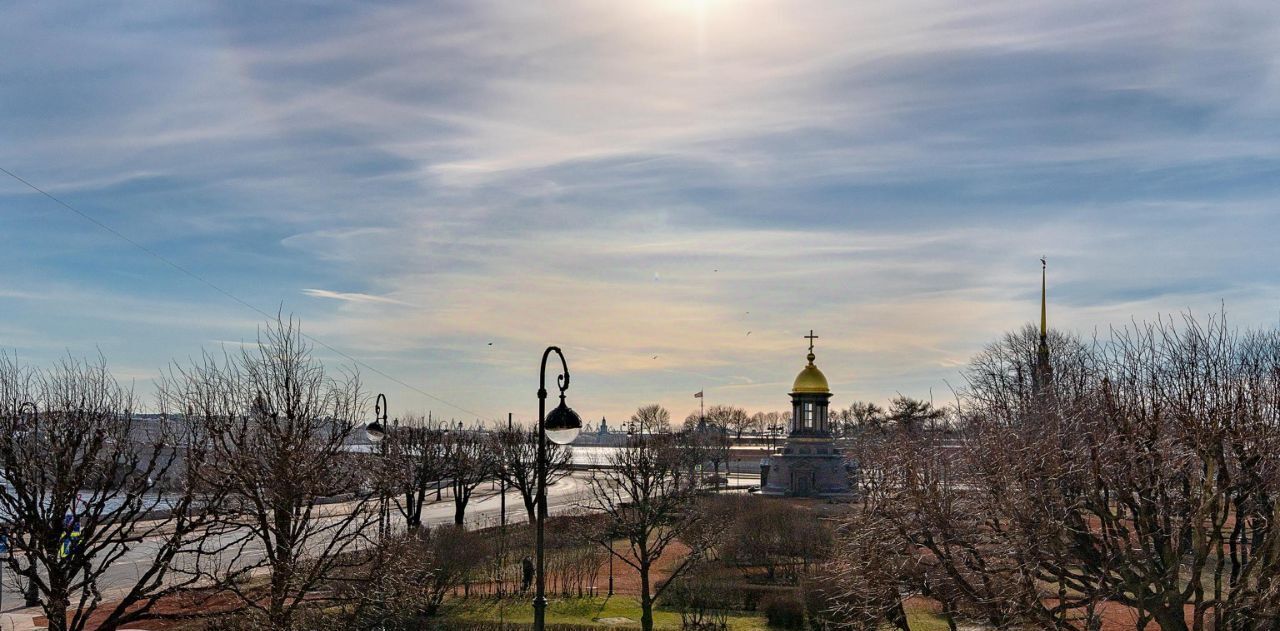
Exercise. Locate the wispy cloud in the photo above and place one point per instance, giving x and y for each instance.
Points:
(480, 179)
(351, 297)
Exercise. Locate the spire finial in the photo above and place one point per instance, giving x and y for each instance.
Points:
(1044, 318)
(811, 337)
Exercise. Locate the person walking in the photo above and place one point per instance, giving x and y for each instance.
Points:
(526, 565)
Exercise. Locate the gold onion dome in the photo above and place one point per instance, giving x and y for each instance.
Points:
(810, 379)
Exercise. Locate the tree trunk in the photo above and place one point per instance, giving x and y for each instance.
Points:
(646, 602)
(1170, 618)
(459, 509)
(413, 509)
(57, 613)
(529, 505)
(282, 570)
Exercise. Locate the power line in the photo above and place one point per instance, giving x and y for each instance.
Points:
(224, 292)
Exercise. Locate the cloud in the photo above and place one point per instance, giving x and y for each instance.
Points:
(351, 297)
(498, 171)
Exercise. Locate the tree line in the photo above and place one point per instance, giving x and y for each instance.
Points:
(246, 495)
(1140, 483)
(248, 471)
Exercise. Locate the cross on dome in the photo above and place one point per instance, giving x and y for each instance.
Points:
(811, 337)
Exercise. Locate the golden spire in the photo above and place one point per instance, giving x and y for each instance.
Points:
(1043, 374)
(1044, 319)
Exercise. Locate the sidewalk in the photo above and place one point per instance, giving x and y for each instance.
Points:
(20, 620)
(25, 620)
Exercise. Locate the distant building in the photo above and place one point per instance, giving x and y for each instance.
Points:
(602, 436)
(809, 464)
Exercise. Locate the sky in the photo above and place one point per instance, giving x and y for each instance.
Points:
(672, 191)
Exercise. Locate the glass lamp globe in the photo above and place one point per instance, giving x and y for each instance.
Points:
(562, 424)
(375, 431)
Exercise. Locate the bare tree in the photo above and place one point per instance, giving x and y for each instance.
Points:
(454, 555)
(85, 481)
(416, 464)
(648, 507)
(688, 449)
(276, 428)
(1144, 475)
(863, 588)
(651, 419)
(469, 460)
(930, 522)
(780, 538)
(732, 418)
(914, 415)
(1167, 475)
(693, 421)
(865, 415)
(516, 452)
(716, 448)
(703, 600)
(409, 577)
(762, 420)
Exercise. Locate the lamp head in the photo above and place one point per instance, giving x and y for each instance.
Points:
(562, 424)
(375, 431)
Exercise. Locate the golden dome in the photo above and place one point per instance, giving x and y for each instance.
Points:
(810, 379)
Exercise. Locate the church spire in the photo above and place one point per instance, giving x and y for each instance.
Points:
(1044, 318)
(1043, 374)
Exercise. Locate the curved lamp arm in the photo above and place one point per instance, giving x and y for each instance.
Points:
(562, 380)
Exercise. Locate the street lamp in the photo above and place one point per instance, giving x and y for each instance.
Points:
(441, 449)
(31, 597)
(774, 431)
(611, 538)
(561, 426)
(377, 432)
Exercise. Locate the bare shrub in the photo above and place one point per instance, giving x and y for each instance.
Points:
(703, 598)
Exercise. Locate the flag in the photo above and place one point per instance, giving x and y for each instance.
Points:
(698, 395)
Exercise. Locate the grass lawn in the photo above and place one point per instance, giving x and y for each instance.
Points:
(586, 611)
(922, 619)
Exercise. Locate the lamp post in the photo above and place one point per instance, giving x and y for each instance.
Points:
(444, 435)
(31, 597)
(611, 562)
(377, 433)
(561, 426)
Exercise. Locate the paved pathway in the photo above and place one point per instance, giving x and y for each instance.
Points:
(484, 509)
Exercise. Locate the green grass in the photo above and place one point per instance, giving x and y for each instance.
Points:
(586, 611)
(925, 620)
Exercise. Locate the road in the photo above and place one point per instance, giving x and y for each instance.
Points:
(483, 510)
